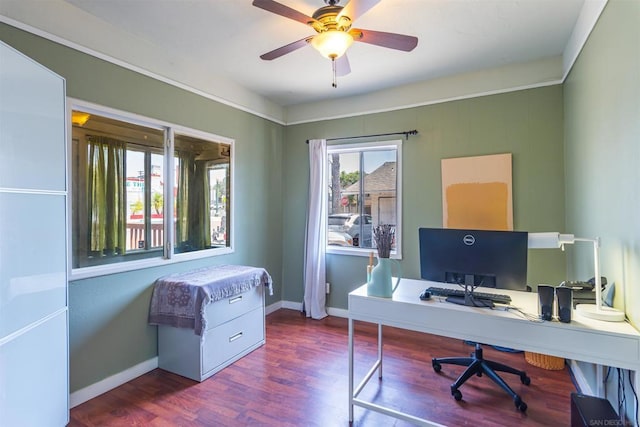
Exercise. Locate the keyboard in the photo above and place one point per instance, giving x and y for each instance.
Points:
(446, 292)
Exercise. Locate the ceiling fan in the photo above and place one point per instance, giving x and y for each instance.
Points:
(332, 24)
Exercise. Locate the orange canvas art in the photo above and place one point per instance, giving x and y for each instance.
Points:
(477, 193)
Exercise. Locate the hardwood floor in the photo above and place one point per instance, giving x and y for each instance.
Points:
(300, 378)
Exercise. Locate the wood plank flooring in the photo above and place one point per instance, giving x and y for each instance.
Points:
(300, 378)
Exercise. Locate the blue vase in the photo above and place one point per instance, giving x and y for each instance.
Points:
(380, 283)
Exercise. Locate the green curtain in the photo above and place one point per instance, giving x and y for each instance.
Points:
(193, 221)
(182, 198)
(106, 195)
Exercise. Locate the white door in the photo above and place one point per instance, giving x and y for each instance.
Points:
(34, 373)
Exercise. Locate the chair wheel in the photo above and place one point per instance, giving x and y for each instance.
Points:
(436, 365)
(525, 379)
(520, 405)
(457, 395)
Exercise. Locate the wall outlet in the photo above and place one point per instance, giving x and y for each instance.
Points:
(328, 287)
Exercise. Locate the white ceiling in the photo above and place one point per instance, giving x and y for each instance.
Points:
(213, 46)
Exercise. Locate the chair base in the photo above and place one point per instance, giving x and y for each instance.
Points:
(477, 365)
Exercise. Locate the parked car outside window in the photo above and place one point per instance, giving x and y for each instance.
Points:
(359, 227)
(338, 238)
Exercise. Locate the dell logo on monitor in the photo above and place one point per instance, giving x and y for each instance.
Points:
(468, 240)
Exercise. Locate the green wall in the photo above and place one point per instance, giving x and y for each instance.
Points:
(528, 124)
(595, 113)
(602, 146)
(602, 150)
(108, 315)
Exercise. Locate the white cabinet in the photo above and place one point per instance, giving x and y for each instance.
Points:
(33, 376)
(234, 327)
(34, 373)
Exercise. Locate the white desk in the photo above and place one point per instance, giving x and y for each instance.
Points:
(615, 344)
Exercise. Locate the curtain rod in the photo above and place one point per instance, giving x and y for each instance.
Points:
(406, 134)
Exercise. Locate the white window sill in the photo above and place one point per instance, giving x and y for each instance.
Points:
(121, 267)
(337, 250)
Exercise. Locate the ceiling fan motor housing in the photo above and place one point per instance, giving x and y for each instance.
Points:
(328, 17)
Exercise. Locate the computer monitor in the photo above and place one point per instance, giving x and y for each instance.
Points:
(493, 259)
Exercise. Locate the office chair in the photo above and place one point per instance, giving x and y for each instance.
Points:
(477, 365)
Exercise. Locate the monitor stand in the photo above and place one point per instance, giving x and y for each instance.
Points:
(468, 298)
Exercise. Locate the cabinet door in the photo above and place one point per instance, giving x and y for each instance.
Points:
(34, 367)
(33, 249)
(33, 376)
(32, 125)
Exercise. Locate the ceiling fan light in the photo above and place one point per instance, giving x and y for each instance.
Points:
(332, 44)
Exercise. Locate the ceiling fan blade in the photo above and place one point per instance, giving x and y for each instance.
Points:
(342, 66)
(277, 53)
(357, 8)
(286, 11)
(380, 38)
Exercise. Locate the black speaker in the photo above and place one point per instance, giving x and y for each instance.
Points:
(565, 303)
(588, 411)
(545, 301)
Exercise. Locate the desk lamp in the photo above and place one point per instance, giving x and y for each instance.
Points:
(557, 240)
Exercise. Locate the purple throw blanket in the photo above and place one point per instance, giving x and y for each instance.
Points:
(180, 299)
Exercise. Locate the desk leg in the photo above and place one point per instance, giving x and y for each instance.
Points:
(350, 371)
(380, 350)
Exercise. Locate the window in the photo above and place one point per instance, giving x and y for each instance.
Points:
(364, 190)
(201, 194)
(136, 198)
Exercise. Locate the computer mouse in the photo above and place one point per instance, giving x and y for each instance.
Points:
(425, 295)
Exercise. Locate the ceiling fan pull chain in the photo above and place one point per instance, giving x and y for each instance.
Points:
(333, 67)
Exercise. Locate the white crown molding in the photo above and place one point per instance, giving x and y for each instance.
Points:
(509, 78)
(586, 22)
(545, 72)
(233, 95)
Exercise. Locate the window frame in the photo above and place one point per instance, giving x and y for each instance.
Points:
(340, 148)
(167, 255)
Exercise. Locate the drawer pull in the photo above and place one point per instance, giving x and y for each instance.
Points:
(236, 299)
(232, 338)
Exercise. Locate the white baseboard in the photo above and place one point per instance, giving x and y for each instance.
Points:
(338, 312)
(581, 381)
(292, 305)
(273, 307)
(94, 390)
(78, 397)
